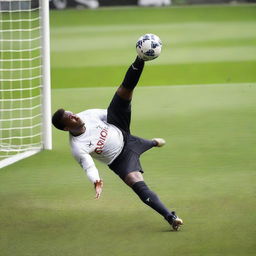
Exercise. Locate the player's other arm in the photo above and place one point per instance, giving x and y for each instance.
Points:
(87, 163)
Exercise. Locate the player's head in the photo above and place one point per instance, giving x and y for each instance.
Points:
(66, 120)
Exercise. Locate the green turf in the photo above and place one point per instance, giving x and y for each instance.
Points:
(179, 74)
(206, 172)
(106, 16)
(213, 44)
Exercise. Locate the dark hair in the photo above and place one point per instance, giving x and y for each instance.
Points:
(57, 119)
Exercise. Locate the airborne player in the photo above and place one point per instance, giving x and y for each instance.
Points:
(105, 135)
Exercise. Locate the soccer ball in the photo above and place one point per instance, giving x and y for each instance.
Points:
(149, 47)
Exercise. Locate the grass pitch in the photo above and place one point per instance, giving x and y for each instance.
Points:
(206, 171)
(201, 45)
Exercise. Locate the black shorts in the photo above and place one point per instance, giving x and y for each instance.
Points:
(119, 114)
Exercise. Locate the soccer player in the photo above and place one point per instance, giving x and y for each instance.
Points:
(105, 135)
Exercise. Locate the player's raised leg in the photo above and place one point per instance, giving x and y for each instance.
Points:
(119, 110)
(148, 48)
(131, 79)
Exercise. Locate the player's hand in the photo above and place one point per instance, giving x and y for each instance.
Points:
(98, 185)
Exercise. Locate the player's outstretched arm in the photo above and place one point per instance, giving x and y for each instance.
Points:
(87, 163)
(93, 175)
(98, 185)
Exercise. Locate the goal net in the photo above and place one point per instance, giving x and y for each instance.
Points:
(25, 127)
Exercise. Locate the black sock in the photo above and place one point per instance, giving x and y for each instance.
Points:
(133, 73)
(150, 198)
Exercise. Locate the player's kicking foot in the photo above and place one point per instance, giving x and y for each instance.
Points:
(159, 142)
(174, 221)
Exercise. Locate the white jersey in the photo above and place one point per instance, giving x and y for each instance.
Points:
(101, 140)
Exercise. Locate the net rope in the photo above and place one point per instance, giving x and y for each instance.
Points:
(20, 77)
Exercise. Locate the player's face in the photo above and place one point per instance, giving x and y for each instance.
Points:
(72, 121)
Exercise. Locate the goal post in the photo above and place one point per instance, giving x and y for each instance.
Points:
(25, 95)
(47, 132)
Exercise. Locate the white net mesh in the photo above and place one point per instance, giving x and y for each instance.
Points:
(20, 79)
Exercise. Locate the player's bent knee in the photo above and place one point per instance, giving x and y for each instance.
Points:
(133, 177)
